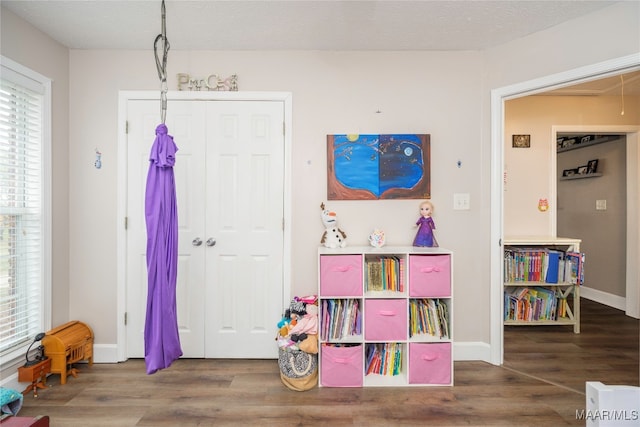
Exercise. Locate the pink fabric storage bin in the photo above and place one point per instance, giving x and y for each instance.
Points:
(430, 363)
(341, 366)
(341, 275)
(429, 275)
(385, 319)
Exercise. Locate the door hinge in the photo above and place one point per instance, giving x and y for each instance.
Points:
(126, 127)
(284, 129)
(282, 224)
(125, 318)
(126, 222)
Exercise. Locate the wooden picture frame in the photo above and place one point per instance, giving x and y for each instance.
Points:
(378, 166)
(521, 141)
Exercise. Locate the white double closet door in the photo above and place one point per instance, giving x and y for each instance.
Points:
(229, 175)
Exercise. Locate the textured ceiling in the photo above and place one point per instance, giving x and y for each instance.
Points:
(309, 25)
(297, 24)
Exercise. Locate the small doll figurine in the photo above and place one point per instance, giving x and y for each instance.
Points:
(424, 236)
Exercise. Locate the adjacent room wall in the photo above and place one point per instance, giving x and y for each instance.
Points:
(536, 116)
(603, 232)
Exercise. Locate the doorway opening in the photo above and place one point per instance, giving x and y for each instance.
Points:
(498, 98)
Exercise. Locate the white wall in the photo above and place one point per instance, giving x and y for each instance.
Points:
(425, 92)
(29, 47)
(446, 94)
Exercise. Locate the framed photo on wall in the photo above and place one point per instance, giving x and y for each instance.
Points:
(521, 141)
(592, 166)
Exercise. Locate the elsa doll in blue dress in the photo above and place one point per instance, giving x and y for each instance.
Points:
(424, 236)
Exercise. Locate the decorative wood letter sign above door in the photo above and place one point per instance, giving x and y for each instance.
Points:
(370, 167)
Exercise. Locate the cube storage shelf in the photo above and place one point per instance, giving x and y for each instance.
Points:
(385, 316)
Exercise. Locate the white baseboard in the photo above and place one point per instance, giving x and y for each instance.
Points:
(108, 353)
(605, 298)
(12, 383)
(466, 351)
(105, 353)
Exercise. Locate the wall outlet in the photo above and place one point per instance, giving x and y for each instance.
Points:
(601, 205)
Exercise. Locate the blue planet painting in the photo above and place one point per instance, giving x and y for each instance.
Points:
(391, 166)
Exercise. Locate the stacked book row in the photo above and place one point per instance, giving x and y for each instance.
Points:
(385, 273)
(533, 304)
(428, 316)
(340, 318)
(384, 359)
(543, 265)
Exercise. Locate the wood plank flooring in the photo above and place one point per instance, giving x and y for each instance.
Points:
(606, 350)
(540, 384)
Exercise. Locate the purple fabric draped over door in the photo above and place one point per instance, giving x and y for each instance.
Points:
(161, 339)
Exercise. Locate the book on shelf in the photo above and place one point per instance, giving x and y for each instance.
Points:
(428, 316)
(385, 273)
(341, 318)
(552, 265)
(534, 304)
(542, 265)
(384, 359)
(575, 268)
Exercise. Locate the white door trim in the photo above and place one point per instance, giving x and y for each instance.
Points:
(121, 242)
(498, 97)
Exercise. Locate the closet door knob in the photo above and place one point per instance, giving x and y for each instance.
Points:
(196, 241)
(211, 241)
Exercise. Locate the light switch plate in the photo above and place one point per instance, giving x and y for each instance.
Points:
(601, 205)
(461, 201)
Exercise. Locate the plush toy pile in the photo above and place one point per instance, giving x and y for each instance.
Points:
(298, 344)
(298, 329)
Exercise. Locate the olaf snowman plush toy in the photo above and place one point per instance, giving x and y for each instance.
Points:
(332, 237)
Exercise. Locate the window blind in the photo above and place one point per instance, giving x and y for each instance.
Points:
(21, 220)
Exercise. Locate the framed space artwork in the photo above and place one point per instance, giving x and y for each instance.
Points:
(385, 166)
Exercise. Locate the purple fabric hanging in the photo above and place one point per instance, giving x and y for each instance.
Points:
(161, 339)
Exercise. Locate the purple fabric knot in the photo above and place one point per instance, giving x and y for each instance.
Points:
(161, 129)
(163, 151)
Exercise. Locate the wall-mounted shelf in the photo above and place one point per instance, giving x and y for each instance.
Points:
(580, 176)
(597, 140)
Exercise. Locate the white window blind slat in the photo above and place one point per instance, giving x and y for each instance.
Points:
(21, 222)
